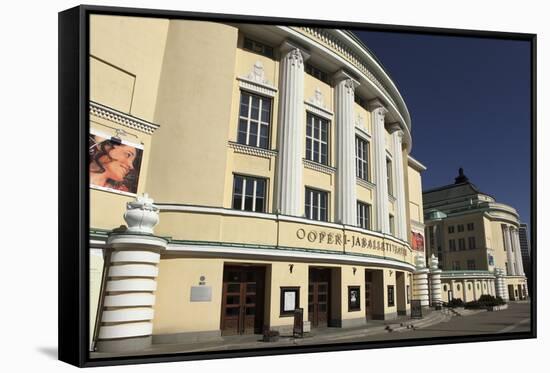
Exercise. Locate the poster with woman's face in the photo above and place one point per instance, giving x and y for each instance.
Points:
(114, 163)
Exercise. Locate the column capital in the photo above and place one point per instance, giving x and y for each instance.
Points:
(350, 81)
(376, 104)
(294, 51)
(395, 128)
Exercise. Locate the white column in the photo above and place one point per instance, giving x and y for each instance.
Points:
(517, 251)
(378, 112)
(435, 274)
(474, 284)
(128, 296)
(420, 281)
(464, 291)
(346, 193)
(291, 123)
(401, 214)
(509, 254)
(500, 286)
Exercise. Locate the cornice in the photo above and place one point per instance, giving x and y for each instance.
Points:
(318, 167)
(252, 150)
(113, 115)
(365, 183)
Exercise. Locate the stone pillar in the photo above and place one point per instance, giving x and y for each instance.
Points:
(401, 214)
(453, 289)
(378, 112)
(346, 199)
(464, 291)
(517, 251)
(492, 287)
(128, 295)
(474, 284)
(435, 274)
(500, 286)
(291, 123)
(509, 254)
(420, 281)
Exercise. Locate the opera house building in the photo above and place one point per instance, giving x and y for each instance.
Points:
(241, 172)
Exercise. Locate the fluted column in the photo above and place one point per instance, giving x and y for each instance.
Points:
(509, 254)
(346, 194)
(474, 283)
(435, 274)
(378, 112)
(128, 295)
(500, 286)
(420, 281)
(464, 291)
(401, 215)
(517, 251)
(291, 123)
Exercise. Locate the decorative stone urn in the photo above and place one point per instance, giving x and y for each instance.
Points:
(141, 215)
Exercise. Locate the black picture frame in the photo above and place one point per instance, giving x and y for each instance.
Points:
(289, 311)
(73, 219)
(354, 298)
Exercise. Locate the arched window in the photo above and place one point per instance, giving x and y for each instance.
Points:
(469, 286)
(458, 287)
(444, 287)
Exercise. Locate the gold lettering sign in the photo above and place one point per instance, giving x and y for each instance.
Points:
(352, 241)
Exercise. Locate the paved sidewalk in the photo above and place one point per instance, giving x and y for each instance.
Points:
(316, 336)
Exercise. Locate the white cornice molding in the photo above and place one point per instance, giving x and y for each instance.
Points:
(318, 167)
(113, 115)
(278, 254)
(418, 226)
(415, 164)
(365, 183)
(255, 87)
(318, 110)
(252, 150)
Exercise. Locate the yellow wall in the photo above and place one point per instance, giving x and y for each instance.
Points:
(415, 194)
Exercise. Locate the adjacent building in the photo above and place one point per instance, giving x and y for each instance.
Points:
(476, 241)
(240, 172)
(525, 246)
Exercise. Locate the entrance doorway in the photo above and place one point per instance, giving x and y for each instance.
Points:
(374, 294)
(242, 300)
(319, 297)
(511, 292)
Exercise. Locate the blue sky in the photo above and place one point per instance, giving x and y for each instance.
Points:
(469, 100)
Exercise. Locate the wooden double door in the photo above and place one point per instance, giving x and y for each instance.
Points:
(319, 297)
(242, 300)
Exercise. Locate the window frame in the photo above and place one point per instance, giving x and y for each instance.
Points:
(257, 120)
(391, 222)
(254, 193)
(452, 245)
(461, 244)
(368, 219)
(391, 295)
(266, 50)
(320, 192)
(472, 243)
(389, 175)
(319, 120)
(361, 164)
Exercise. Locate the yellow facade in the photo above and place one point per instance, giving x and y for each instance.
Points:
(174, 87)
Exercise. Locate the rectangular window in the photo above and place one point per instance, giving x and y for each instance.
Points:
(363, 215)
(408, 294)
(461, 227)
(317, 139)
(362, 158)
(257, 47)
(316, 204)
(451, 229)
(452, 245)
(456, 265)
(471, 264)
(249, 193)
(254, 120)
(503, 227)
(470, 226)
(389, 171)
(461, 244)
(391, 297)
(471, 243)
(392, 225)
(317, 73)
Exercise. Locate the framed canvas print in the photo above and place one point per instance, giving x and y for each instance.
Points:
(238, 186)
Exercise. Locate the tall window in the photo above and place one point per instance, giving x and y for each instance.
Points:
(452, 245)
(363, 215)
(389, 176)
(461, 227)
(254, 119)
(471, 263)
(317, 139)
(461, 244)
(391, 296)
(451, 229)
(392, 225)
(471, 243)
(249, 193)
(316, 204)
(362, 158)
(470, 226)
